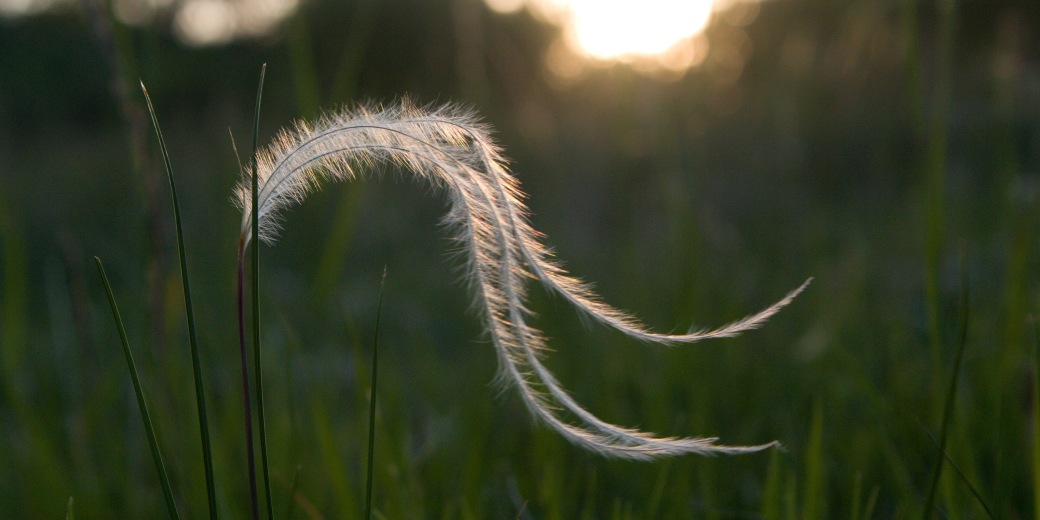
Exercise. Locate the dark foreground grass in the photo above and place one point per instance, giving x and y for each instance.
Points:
(846, 378)
(541, 474)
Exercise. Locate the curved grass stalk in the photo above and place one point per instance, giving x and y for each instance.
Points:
(449, 148)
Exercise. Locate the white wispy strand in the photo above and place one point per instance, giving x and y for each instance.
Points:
(449, 148)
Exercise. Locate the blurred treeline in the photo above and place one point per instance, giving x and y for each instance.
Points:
(872, 145)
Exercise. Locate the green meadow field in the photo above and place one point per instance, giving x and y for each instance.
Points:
(888, 150)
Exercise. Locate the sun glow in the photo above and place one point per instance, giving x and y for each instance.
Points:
(620, 28)
(653, 33)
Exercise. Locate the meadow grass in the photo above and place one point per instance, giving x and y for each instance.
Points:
(853, 413)
(450, 148)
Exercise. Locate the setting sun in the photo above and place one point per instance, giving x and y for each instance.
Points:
(653, 34)
(618, 28)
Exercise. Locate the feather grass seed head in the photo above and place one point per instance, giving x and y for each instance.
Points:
(449, 148)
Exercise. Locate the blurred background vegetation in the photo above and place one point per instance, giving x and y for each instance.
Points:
(870, 144)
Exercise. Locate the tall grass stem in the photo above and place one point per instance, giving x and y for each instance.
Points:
(936, 150)
(1036, 420)
(372, 400)
(255, 275)
(193, 337)
(247, 405)
(964, 478)
(14, 268)
(814, 505)
(951, 393)
(153, 443)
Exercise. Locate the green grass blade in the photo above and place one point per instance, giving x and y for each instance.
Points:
(871, 502)
(247, 403)
(935, 165)
(328, 446)
(290, 507)
(255, 275)
(857, 497)
(196, 359)
(771, 497)
(951, 393)
(160, 467)
(964, 478)
(791, 497)
(69, 515)
(14, 270)
(372, 402)
(1036, 422)
(814, 502)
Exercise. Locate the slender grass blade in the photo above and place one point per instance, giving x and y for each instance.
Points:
(964, 478)
(372, 402)
(196, 359)
(290, 507)
(247, 403)
(951, 393)
(255, 275)
(814, 505)
(771, 497)
(160, 467)
(1036, 421)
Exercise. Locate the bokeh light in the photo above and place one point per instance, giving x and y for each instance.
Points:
(211, 22)
(27, 7)
(653, 35)
(195, 22)
(620, 28)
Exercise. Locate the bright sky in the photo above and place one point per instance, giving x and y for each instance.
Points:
(625, 30)
(642, 32)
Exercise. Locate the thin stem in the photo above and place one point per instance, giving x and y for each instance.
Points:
(255, 275)
(193, 337)
(290, 508)
(372, 402)
(153, 443)
(1036, 419)
(247, 408)
(964, 478)
(951, 393)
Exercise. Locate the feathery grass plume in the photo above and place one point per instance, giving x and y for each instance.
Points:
(450, 148)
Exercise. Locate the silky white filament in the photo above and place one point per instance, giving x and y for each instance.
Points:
(449, 148)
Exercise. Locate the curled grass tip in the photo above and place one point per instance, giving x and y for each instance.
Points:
(450, 148)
